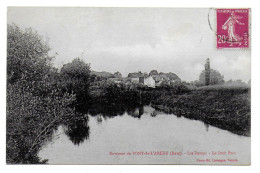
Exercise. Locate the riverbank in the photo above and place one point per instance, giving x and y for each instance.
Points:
(224, 107)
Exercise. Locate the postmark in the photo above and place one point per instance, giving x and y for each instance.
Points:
(232, 28)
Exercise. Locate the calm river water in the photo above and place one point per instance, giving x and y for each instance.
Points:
(145, 130)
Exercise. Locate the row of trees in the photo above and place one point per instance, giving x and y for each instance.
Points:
(217, 79)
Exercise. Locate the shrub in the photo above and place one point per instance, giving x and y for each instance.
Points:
(75, 78)
(27, 55)
(31, 120)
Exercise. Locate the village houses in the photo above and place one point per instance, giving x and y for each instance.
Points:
(152, 80)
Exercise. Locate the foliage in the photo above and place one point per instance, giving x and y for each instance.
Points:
(109, 93)
(224, 107)
(117, 75)
(153, 72)
(27, 55)
(101, 75)
(77, 129)
(236, 83)
(174, 89)
(231, 88)
(197, 83)
(173, 76)
(215, 77)
(35, 102)
(75, 78)
(31, 121)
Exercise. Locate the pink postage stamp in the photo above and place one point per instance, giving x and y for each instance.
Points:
(232, 28)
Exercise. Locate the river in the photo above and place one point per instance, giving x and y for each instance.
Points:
(145, 136)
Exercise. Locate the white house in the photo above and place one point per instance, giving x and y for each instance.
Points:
(150, 82)
(135, 80)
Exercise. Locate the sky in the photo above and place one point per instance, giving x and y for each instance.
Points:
(128, 40)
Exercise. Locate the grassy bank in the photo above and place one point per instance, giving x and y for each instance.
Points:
(224, 107)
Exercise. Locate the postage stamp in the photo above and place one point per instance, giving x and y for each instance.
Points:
(232, 28)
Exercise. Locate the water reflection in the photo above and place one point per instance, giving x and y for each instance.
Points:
(136, 112)
(110, 111)
(144, 129)
(77, 130)
(99, 119)
(106, 110)
(206, 126)
(154, 113)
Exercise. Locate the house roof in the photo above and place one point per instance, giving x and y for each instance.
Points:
(158, 78)
(135, 75)
(114, 79)
(102, 74)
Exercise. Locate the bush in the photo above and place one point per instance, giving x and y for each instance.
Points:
(174, 89)
(215, 77)
(27, 55)
(31, 120)
(75, 78)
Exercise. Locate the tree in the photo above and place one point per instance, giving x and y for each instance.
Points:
(215, 77)
(236, 83)
(35, 103)
(27, 55)
(197, 83)
(173, 76)
(77, 129)
(117, 75)
(75, 78)
(207, 72)
(31, 121)
(153, 72)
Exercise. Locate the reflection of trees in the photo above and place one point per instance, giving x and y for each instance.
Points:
(107, 111)
(99, 119)
(136, 112)
(78, 130)
(154, 113)
(112, 110)
(206, 126)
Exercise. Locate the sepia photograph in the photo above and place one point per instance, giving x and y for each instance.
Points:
(127, 85)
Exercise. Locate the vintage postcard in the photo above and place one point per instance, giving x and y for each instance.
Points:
(128, 86)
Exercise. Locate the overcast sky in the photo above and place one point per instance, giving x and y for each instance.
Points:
(135, 39)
